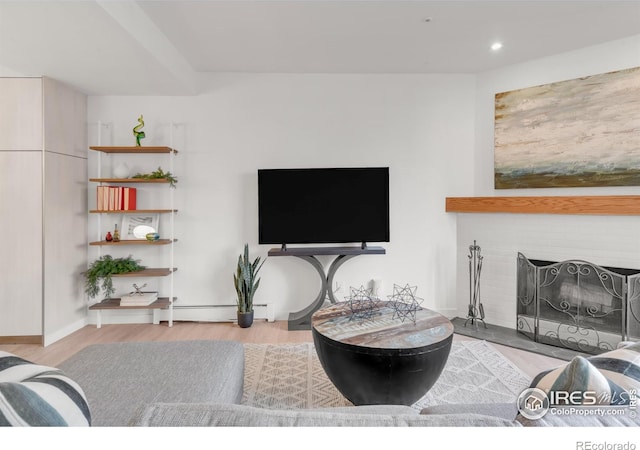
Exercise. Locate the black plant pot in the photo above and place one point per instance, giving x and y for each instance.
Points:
(245, 319)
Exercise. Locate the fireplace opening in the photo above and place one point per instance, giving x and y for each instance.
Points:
(576, 304)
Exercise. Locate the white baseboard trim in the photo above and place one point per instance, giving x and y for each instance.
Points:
(116, 317)
(189, 313)
(214, 313)
(50, 338)
(490, 321)
(449, 313)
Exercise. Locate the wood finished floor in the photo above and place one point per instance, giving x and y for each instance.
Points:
(261, 332)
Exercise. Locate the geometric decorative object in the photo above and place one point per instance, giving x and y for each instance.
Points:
(138, 289)
(574, 133)
(404, 302)
(362, 303)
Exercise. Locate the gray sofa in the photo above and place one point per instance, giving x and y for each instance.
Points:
(199, 383)
(459, 415)
(227, 415)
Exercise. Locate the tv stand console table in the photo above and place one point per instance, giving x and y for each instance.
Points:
(301, 320)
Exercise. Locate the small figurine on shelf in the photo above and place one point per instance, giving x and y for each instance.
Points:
(136, 131)
(138, 290)
(116, 234)
(108, 237)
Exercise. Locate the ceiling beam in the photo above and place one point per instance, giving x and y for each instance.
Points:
(135, 22)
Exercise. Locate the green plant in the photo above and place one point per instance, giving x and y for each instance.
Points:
(102, 269)
(244, 280)
(158, 175)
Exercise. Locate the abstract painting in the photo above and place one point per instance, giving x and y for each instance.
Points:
(575, 133)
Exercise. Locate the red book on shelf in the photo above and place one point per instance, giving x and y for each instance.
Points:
(120, 198)
(129, 198)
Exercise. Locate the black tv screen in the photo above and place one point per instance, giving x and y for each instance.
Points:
(326, 205)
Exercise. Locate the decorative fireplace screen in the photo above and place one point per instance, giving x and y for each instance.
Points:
(576, 304)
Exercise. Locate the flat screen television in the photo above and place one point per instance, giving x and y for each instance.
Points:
(323, 205)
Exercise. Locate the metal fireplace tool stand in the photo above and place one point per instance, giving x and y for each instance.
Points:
(475, 313)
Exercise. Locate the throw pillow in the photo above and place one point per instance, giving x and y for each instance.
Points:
(612, 375)
(35, 395)
(577, 376)
(623, 344)
(621, 366)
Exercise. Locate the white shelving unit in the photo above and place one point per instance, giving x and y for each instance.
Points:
(165, 302)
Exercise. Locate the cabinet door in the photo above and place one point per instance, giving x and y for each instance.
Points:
(65, 241)
(21, 240)
(65, 119)
(20, 114)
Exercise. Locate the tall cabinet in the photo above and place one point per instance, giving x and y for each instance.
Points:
(154, 198)
(43, 204)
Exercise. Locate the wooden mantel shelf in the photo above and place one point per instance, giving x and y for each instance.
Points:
(621, 205)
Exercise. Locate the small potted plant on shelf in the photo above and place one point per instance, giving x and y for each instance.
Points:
(102, 269)
(246, 285)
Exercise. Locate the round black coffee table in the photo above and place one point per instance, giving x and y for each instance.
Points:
(381, 359)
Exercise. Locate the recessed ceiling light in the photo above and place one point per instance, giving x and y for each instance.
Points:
(496, 46)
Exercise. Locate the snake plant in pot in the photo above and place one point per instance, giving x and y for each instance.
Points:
(246, 283)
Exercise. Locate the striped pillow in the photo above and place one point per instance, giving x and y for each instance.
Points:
(613, 375)
(35, 395)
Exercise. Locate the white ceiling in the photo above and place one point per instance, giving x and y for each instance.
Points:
(164, 47)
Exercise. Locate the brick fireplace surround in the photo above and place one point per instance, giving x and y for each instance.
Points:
(602, 229)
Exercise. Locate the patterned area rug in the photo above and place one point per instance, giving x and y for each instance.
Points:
(290, 376)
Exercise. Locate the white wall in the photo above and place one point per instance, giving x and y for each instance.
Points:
(7, 72)
(601, 240)
(421, 126)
